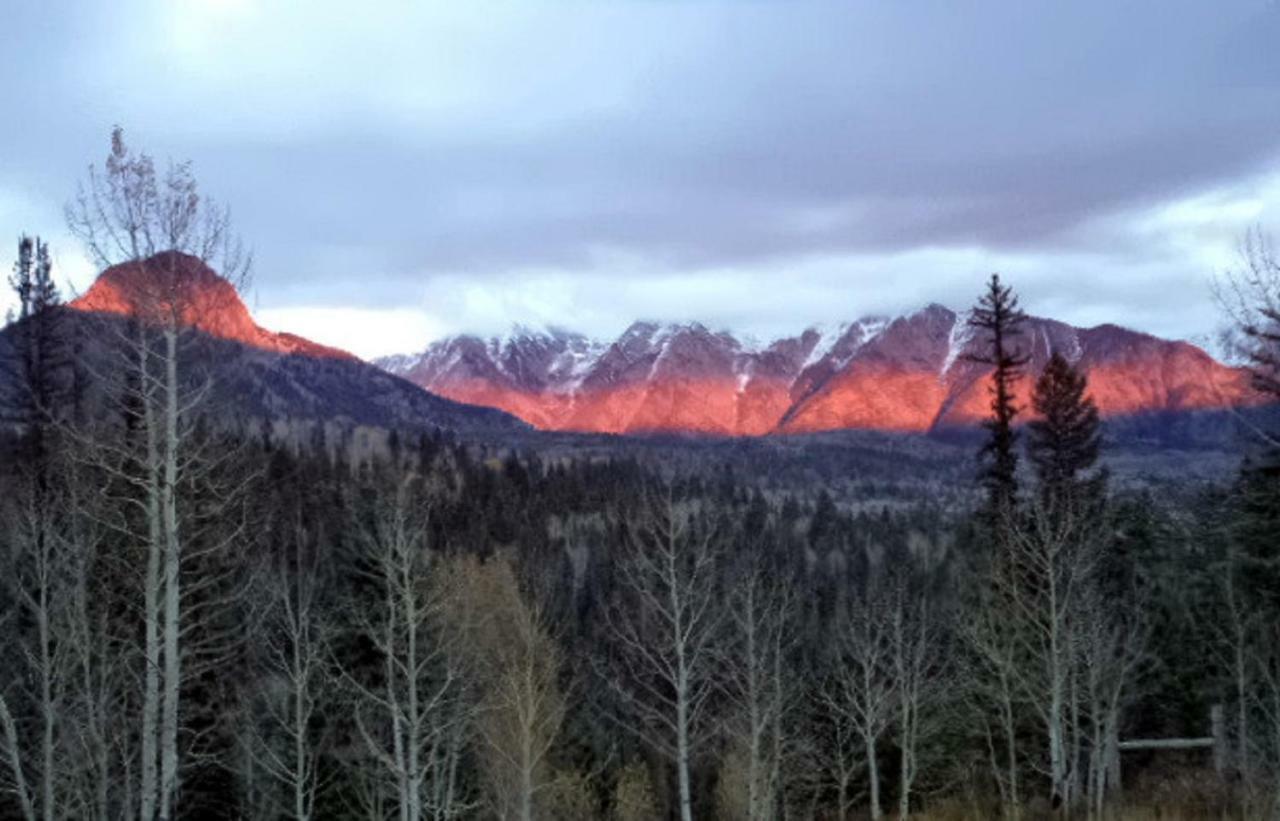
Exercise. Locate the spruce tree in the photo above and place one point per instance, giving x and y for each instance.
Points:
(39, 343)
(997, 315)
(1063, 442)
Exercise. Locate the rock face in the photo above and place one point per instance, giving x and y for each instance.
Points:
(907, 374)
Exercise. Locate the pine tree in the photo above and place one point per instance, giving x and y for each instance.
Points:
(1064, 441)
(40, 348)
(997, 315)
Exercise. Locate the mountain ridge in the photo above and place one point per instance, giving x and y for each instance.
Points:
(908, 373)
(263, 374)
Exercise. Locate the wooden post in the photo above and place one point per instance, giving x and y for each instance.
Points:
(1219, 730)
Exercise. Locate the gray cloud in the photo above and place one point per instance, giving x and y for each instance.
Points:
(370, 158)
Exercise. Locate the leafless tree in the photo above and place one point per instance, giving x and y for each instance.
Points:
(1250, 298)
(1236, 645)
(1055, 553)
(833, 751)
(990, 672)
(158, 226)
(285, 738)
(664, 630)
(413, 718)
(1268, 706)
(1049, 647)
(99, 654)
(36, 577)
(865, 691)
(761, 689)
(1112, 651)
(919, 666)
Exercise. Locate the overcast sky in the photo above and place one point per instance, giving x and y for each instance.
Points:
(406, 170)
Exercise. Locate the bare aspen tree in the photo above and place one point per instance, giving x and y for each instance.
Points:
(991, 673)
(285, 740)
(37, 567)
(12, 751)
(68, 668)
(1268, 705)
(159, 227)
(36, 578)
(664, 629)
(1112, 650)
(1250, 298)
(1235, 647)
(1054, 551)
(865, 691)
(760, 690)
(411, 718)
(21, 758)
(918, 665)
(835, 750)
(65, 678)
(516, 666)
(100, 654)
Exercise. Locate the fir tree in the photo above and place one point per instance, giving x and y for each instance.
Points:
(998, 316)
(40, 353)
(1064, 441)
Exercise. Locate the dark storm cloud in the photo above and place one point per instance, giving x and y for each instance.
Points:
(365, 152)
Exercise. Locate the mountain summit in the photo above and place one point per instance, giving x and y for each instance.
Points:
(209, 302)
(908, 373)
(275, 378)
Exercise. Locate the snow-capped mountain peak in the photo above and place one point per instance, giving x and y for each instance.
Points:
(904, 373)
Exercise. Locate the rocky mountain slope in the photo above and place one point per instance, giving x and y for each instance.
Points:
(906, 374)
(257, 373)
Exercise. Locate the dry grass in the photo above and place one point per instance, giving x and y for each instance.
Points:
(1172, 795)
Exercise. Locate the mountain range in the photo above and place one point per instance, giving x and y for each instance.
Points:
(909, 373)
(904, 374)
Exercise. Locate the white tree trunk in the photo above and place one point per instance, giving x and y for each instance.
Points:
(149, 789)
(172, 580)
(873, 779)
(16, 765)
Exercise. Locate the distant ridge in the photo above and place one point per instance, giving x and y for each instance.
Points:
(906, 373)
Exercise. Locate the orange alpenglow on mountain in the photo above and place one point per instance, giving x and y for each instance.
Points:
(207, 301)
(906, 374)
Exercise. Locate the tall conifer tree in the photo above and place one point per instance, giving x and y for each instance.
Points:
(997, 315)
(40, 355)
(1063, 441)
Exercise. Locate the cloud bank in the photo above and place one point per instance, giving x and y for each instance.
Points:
(420, 169)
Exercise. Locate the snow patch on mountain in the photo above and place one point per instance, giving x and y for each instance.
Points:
(957, 341)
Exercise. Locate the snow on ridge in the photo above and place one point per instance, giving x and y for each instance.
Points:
(870, 328)
(1076, 351)
(575, 364)
(959, 338)
(662, 340)
(744, 373)
(828, 335)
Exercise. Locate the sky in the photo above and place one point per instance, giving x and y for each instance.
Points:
(404, 169)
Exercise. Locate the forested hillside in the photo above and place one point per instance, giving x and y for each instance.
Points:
(209, 617)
